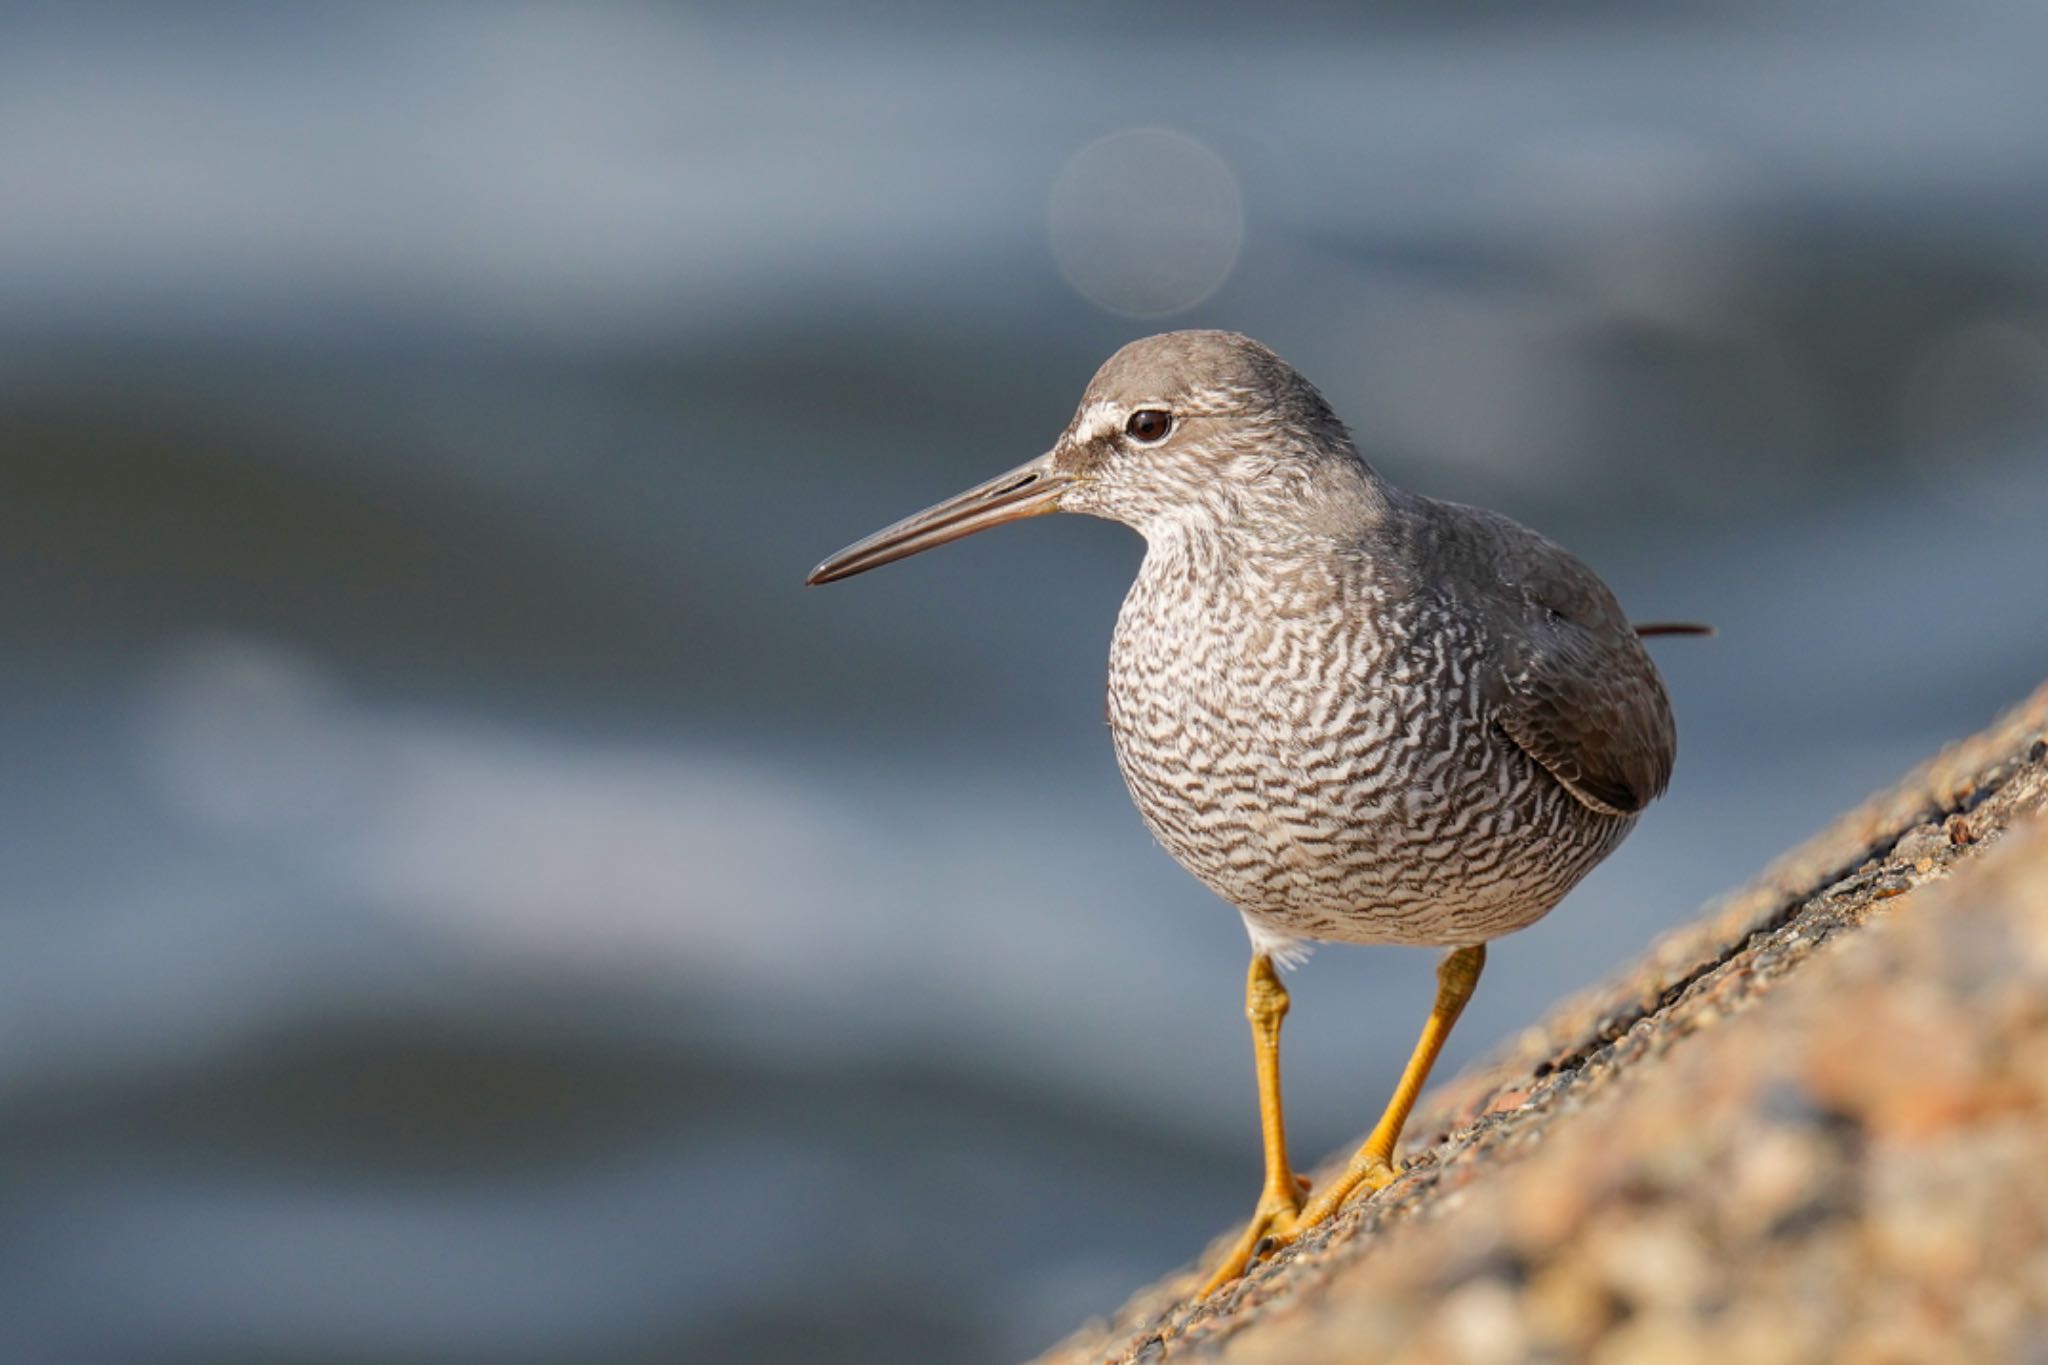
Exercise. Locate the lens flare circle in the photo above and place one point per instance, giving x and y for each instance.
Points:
(1146, 222)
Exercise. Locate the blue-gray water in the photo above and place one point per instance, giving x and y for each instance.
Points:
(467, 902)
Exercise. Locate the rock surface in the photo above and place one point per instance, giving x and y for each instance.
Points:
(1811, 1126)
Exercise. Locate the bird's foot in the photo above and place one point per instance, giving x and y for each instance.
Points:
(1368, 1172)
(1278, 1212)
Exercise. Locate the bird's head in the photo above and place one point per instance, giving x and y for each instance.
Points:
(1183, 428)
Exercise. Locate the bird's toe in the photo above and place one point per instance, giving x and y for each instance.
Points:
(1272, 1224)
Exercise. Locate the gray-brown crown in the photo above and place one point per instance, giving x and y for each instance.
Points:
(1249, 436)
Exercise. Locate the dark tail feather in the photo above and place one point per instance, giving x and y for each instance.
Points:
(1649, 628)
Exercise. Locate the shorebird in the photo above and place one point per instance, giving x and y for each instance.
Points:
(1356, 713)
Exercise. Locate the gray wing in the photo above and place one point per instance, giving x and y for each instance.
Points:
(1575, 689)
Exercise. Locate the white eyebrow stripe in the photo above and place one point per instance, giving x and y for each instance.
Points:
(1096, 420)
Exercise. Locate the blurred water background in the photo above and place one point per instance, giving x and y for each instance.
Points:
(465, 901)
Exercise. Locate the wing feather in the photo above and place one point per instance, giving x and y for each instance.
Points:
(1575, 689)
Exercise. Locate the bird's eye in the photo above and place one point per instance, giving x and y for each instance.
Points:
(1149, 425)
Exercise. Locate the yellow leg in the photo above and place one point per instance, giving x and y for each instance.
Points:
(1373, 1164)
(1265, 1004)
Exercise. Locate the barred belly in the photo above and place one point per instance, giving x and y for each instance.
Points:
(1315, 748)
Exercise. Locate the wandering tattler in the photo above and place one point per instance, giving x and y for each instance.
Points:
(1355, 713)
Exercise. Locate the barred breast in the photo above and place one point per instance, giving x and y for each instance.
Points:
(1310, 735)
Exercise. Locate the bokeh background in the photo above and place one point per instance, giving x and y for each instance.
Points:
(466, 901)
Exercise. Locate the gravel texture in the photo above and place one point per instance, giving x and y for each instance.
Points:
(1811, 1126)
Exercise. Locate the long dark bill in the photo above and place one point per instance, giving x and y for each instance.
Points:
(1025, 491)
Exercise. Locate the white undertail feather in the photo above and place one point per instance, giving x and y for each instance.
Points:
(1287, 951)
